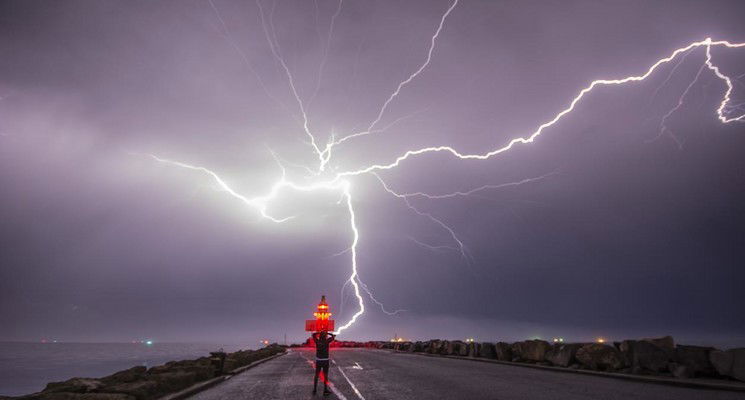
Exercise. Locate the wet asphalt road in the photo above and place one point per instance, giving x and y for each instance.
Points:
(374, 374)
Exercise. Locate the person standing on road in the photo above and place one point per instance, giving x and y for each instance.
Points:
(322, 340)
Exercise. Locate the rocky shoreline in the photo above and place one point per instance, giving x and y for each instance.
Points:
(141, 383)
(652, 356)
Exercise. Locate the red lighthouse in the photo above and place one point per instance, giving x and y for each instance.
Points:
(322, 321)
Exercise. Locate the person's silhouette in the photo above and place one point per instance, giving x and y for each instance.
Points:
(322, 341)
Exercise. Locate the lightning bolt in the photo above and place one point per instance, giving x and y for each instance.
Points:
(663, 123)
(707, 43)
(340, 181)
(403, 83)
(461, 247)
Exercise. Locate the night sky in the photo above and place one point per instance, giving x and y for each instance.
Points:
(626, 232)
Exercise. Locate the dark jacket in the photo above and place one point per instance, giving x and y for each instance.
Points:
(322, 345)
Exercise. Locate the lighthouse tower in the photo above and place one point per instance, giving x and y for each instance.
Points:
(322, 321)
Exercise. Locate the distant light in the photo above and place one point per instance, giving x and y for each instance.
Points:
(558, 340)
(601, 340)
(149, 342)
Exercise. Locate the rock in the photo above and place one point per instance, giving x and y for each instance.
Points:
(627, 352)
(74, 385)
(738, 366)
(531, 350)
(446, 348)
(696, 359)
(81, 396)
(128, 375)
(434, 346)
(430, 346)
(142, 389)
(722, 361)
(231, 364)
(599, 357)
(419, 347)
(680, 370)
(174, 381)
(563, 355)
(729, 363)
(665, 342)
(462, 348)
(650, 357)
(504, 351)
(486, 350)
(473, 349)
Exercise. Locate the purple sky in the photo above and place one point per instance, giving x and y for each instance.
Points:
(626, 233)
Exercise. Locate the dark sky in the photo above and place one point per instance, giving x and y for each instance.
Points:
(627, 233)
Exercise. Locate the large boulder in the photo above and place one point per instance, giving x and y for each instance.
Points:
(503, 351)
(649, 357)
(530, 350)
(599, 357)
(419, 346)
(563, 355)
(665, 342)
(681, 371)
(126, 376)
(169, 382)
(473, 349)
(446, 348)
(74, 385)
(626, 348)
(729, 363)
(738, 365)
(144, 389)
(486, 350)
(722, 361)
(434, 346)
(695, 359)
(79, 396)
(460, 348)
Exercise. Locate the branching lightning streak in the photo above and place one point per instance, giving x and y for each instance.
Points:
(396, 92)
(326, 47)
(382, 307)
(462, 247)
(354, 277)
(229, 37)
(669, 76)
(475, 190)
(260, 203)
(725, 78)
(663, 123)
(431, 247)
(338, 183)
(604, 82)
(291, 82)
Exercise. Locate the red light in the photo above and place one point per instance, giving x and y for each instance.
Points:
(322, 321)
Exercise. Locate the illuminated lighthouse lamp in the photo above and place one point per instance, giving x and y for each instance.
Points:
(322, 321)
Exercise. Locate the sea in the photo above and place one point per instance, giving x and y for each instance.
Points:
(27, 367)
